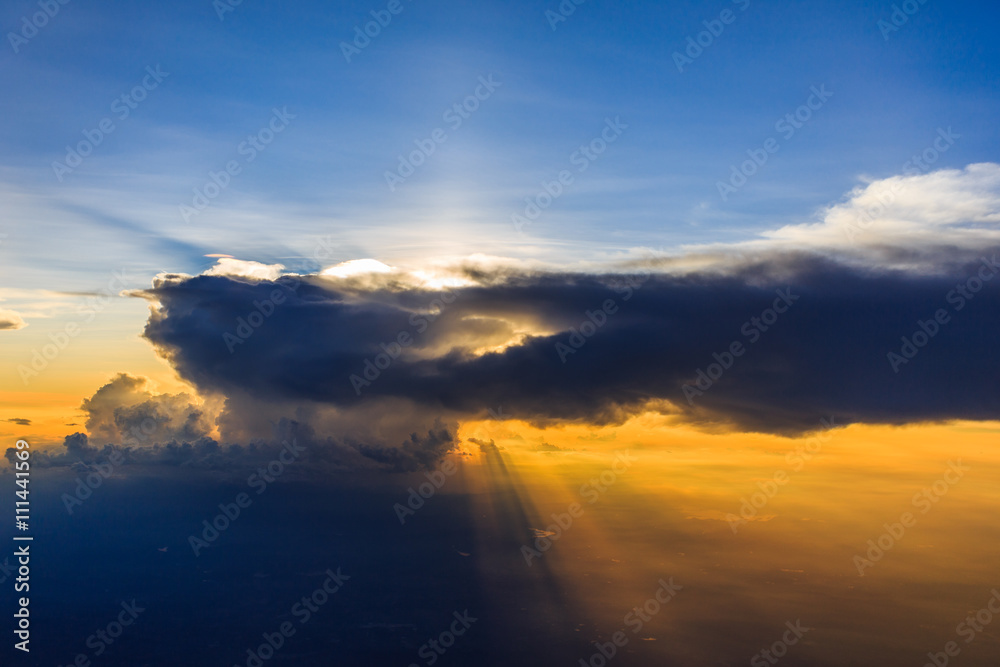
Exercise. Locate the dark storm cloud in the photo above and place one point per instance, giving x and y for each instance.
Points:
(414, 453)
(827, 355)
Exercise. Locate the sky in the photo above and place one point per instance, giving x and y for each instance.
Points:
(325, 175)
(318, 193)
(517, 241)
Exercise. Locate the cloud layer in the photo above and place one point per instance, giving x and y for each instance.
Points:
(885, 311)
(128, 424)
(815, 338)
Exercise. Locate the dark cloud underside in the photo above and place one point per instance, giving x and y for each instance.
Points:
(827, 355)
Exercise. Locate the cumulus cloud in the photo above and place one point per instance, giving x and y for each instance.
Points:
(218, 432)
(356, 267)
(230, 266)
(126, 411)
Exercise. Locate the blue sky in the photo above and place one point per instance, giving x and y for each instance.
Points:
(324, 176)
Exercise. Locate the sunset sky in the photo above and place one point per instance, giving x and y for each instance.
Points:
(649, 294)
